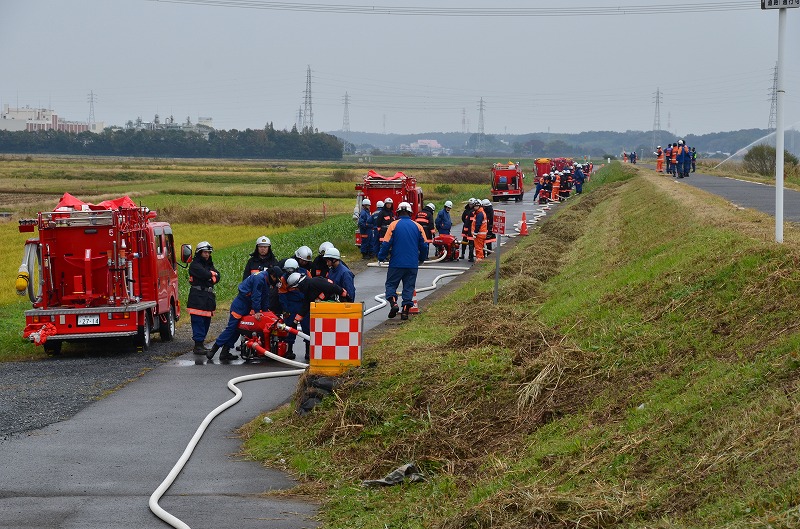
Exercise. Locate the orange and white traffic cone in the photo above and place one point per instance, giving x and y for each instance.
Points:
(523, 225)
(415, 308)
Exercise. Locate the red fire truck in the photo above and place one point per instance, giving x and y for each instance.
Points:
(400, 188)
(507, 182)
(98, 271)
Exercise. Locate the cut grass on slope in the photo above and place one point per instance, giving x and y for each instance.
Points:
(650, 378)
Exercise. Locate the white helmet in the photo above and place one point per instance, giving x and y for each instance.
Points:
(332, 253)
(404, 206)
(379, 204)
(304, 253)
(290, 265)
(294, 279)
(204, 246)
(448, 204)
(324, 246)
(388, 201)
(658, 147)
(485, 202)
(680, 142)
(263, 241)
(366, 202)
(431, 205)
(472, 201)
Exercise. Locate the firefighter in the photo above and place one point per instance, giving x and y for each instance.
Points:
(682, 159)
(339, 273)
(364, 228)
(489, 210)
(466, 230)
(404, 245)
(202, 301)
(305, 291)
(479, 229)
(375, 241)
(687, 160)
(659, 160)
(385, 217)
(319, 268)
(443, 221)
(673, 160)
(252, 292)
(304, 256)
(289, 297)
(579, 178)
(261, 259)
(694, 159)
(425, 219)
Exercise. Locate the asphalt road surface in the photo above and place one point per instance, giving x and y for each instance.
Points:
(98, 467)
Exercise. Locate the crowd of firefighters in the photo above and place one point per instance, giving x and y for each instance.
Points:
(476, 234)
(286, 287)
(677, 159)
(556, 185)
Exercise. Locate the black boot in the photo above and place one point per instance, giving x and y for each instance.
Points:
(289, 353)
(211, 352)
(394, 310)
(199, 348)
(404, 314)
(226, 354)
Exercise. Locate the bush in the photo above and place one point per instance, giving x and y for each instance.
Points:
(761, 160)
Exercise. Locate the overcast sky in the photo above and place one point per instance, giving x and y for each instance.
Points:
(412, 73)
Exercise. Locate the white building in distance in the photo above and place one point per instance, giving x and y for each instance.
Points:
(32, 119)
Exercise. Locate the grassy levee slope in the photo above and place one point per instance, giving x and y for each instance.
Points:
(640, 370)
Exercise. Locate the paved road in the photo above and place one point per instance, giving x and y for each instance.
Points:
(751, 195)
(98, 468)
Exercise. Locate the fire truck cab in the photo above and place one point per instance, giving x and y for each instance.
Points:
(400, 188)
(507, 182)
(99, 271)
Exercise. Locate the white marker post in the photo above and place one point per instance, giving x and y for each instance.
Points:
(781, 6)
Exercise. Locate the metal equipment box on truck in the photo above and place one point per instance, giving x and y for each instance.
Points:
(99, 271)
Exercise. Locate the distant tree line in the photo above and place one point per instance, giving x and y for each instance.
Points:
(249, 143)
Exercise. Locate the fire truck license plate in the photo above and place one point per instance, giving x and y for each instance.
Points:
(89, 319)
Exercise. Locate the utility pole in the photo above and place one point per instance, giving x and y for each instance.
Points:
(92, 99)
(481, 143)
(308, 113)
(774, 100)
(669, 121)
(463, 120)
(299, 122)
(657, 118)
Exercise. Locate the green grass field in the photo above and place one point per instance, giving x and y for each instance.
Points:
(641, 370)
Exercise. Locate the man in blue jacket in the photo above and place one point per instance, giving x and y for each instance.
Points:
(443, 221)
(364, 228)
(405, 241)
(253, 295)
(340, 274)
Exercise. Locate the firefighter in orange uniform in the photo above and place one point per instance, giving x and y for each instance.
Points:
(466, 230)
(202, 301)
(659, 160)
(479, 229)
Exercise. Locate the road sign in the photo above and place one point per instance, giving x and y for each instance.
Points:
(500, 220)
(779, 4)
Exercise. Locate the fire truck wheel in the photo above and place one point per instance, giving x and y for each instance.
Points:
(167, 329)
(143, 337)
(52, 347)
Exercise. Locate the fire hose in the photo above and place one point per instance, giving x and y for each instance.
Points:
(31, 261)
(155, 508)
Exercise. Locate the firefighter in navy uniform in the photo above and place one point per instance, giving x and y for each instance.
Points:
(202, 301)
(385, 217)
(319, 267)
(261, 259)
(466, 230)
(426, 220)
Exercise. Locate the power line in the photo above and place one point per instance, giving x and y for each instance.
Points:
(570, 11)
(481, 145)
(92, 98)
